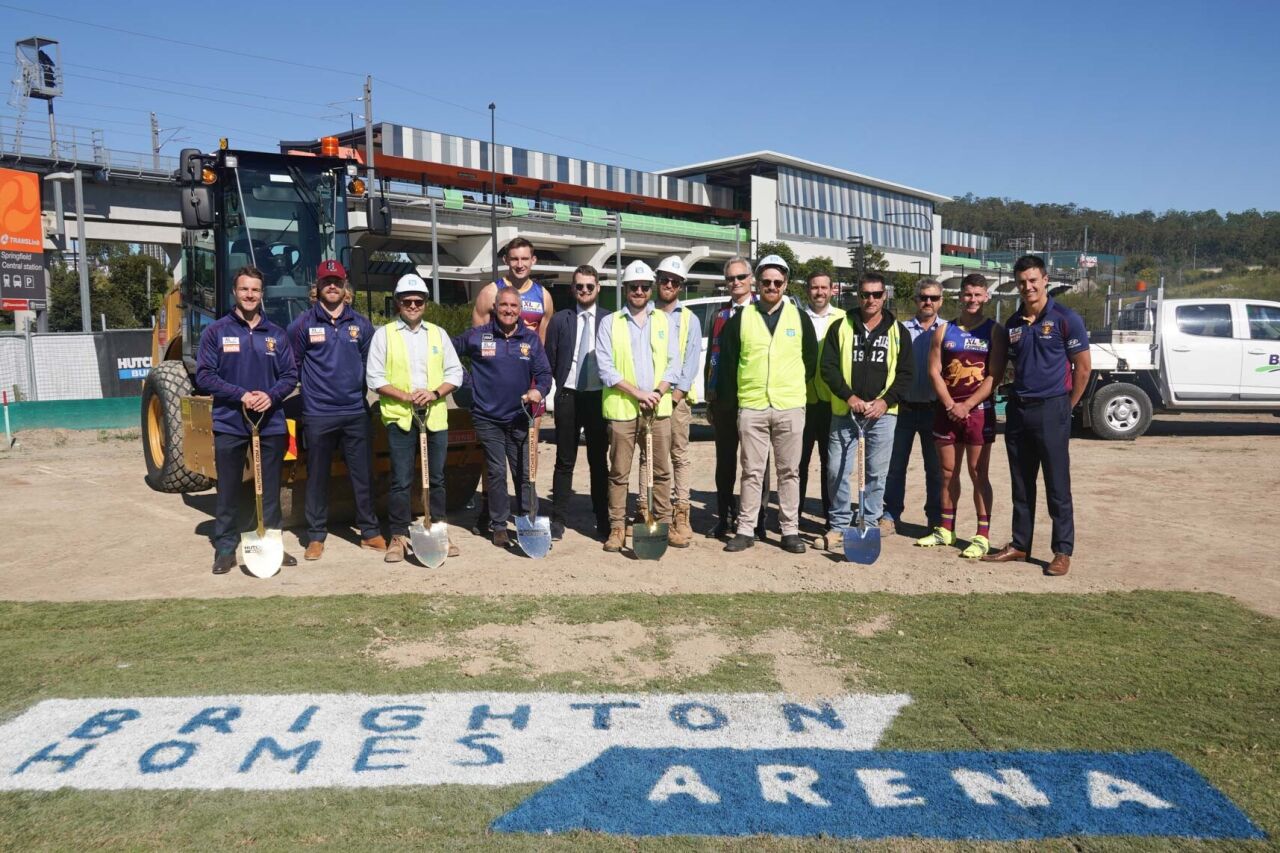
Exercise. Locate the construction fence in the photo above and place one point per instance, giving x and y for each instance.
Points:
(74, 365)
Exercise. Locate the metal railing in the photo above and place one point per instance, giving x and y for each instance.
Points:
(78, 146)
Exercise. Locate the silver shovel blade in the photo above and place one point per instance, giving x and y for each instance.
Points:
(430, 544)
(862, 544)
(262, 555)
(534, 535)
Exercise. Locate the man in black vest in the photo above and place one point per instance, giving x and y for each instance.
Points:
(571, 350)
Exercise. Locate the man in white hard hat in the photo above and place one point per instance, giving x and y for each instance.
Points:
(687, 330)
(413, 365)
(639, 363)
(768, 353)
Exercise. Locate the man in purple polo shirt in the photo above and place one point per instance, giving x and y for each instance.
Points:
(509, 374)
(1049, 351)
(245, 363)
(330, 345)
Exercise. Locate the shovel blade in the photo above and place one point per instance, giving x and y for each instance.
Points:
(430, 544)
(862, 544)
(262, 555)
(649, 541)
(534, 535)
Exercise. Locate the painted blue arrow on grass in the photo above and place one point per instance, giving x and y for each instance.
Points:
(875, 794)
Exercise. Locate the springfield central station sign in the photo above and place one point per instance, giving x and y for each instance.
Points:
(22, 279)
(639, 764)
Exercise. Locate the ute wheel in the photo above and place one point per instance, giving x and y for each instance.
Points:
(162, 394)
(1120, 412)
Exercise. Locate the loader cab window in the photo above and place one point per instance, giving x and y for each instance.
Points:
(1206, 321)
(1264, 322)
(284, 219)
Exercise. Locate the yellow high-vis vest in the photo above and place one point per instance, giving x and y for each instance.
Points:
(771, 367)
(841, 407)
(618, 404)
(817, 389)
(685, 315)
(400, 412)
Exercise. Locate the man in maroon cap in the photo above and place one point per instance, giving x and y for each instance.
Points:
(331, 344)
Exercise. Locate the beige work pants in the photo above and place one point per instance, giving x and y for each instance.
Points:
(624, 436)
(758, 431)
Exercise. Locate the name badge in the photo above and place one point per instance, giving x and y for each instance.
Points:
(231, 345)
(317, 334)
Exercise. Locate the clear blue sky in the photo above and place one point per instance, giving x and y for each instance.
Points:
(1112, 105)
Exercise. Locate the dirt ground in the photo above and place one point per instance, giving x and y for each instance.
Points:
(1185, 507)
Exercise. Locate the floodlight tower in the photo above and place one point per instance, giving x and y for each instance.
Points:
(39, 75)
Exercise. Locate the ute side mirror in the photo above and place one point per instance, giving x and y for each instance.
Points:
(197, 207)
(378, 214)
(190, 166)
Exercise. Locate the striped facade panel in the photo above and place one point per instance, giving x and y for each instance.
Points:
(822, 207)
(962, 238)
(433, 147)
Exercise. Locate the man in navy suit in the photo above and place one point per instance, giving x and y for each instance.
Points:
(571, 349)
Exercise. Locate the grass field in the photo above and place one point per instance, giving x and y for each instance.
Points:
(1195, 675)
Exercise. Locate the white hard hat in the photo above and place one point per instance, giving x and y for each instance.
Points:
(773, 261)
(638, 271)
(673, 266)
(411, 283)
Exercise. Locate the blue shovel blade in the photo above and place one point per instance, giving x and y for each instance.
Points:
(862, 544)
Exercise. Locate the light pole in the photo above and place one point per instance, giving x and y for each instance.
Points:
(82, 261)
(493, 190)
(928, 229)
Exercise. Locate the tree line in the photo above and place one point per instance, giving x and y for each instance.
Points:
(1176, 238)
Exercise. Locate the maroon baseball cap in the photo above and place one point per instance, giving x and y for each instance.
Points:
(330, 269)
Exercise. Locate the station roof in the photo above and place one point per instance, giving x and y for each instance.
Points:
(733, 170)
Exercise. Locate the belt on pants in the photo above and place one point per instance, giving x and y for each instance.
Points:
(1028, 402)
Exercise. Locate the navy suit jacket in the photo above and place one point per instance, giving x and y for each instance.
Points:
(562, 343)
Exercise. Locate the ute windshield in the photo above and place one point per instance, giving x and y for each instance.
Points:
(284, 219)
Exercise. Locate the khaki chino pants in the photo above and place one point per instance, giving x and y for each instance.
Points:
(758, 431)
(624, 436)
(681, 421)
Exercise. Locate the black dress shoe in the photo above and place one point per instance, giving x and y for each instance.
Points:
(761, 534)
(288, 560)
(223, 563)
(793, 544)
(740, 542)
(557, 531)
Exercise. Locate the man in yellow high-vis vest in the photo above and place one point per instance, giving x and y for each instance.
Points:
(687, 330)
(768, 352)
(413, 365)
(867, 363)
(639, 363)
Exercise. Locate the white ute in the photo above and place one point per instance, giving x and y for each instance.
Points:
(1182, 355)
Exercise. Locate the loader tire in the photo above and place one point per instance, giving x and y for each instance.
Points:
(162, 394)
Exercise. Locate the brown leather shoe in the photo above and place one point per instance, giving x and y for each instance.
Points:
(1059, 566)
(615, 540)
(373, 543)
(1007, 554)
(315, 549)
(395, 551)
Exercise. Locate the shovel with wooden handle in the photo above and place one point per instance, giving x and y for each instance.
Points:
(533, 531)
(649, 540)
(262, 550)
(861, 542)
(430, 541)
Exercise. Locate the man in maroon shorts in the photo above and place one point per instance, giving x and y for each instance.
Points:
(966, 361)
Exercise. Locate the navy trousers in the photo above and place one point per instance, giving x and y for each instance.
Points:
(229, 452)
(506, 445)
(817, 429)
(1036, 436)
(405, 471)
(581, 412)
(323, 435)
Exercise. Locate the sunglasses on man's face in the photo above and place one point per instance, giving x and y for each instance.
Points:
(641, 286)
(925, 297)
(773, 282)
(669, 279)
(735, 278)
(413, 303)
(871, 294)
(584, 287)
